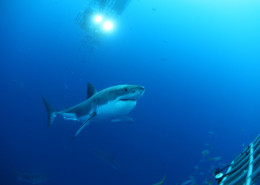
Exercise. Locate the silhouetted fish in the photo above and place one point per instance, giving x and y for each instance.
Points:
(31, 178)
(109, 159)
(161, 182)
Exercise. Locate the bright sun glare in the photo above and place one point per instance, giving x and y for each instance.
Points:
(108, 25)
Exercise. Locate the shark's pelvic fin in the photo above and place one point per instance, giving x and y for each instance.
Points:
(93, 114)
(50, 111)
(91, 90)
(123, 119)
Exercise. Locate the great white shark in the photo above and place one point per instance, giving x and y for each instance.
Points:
(112, 103)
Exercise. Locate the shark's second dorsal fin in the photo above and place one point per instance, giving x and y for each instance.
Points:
(91, 90)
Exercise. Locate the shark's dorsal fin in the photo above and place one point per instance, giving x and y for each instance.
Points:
(91, 90)
(93, 114)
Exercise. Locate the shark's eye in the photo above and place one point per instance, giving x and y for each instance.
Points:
(125, 89)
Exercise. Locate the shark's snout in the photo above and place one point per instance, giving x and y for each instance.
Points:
(132, 93)
(141, 90)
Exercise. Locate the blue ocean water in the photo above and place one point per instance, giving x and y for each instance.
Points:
(199, 62)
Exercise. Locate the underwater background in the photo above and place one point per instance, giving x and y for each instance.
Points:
(199, 61)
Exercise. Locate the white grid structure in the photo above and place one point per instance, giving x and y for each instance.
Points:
(245, 169)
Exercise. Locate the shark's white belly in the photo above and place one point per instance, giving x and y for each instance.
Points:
(114, 109)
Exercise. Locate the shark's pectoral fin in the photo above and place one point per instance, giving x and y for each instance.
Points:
(92, 115)
(124, 119)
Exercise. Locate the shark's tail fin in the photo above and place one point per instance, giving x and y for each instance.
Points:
(50, 110)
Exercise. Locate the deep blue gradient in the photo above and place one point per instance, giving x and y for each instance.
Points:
(199, 61)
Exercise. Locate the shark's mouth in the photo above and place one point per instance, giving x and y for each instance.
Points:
(126, 99)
